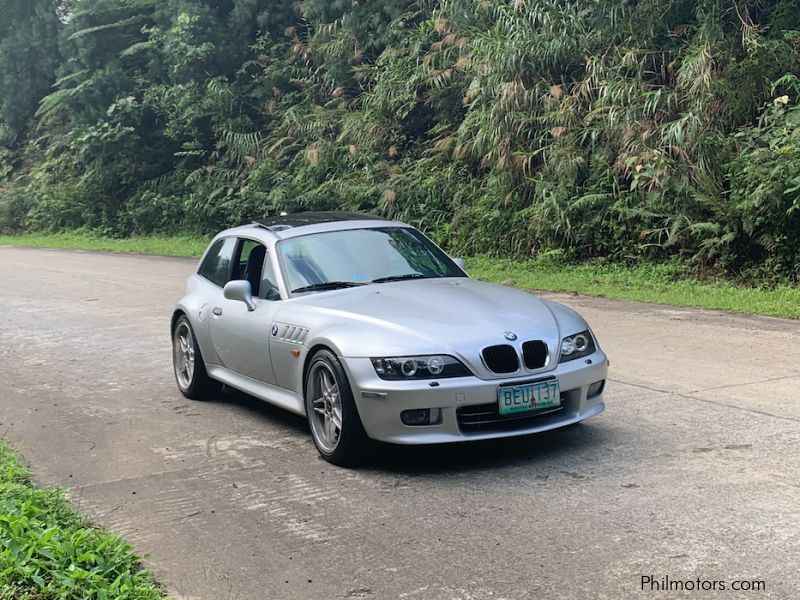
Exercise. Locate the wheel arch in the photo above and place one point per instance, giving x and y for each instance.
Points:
(179, 312)
(198, 330)
(312, 351)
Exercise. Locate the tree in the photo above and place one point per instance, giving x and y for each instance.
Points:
(29, 56)
(600, 128)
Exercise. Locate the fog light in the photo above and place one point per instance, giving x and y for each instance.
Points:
(596, 389)
(421, 416)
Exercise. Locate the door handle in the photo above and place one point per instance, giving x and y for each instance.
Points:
(217, 311)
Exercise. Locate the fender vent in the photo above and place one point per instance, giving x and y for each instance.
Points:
(501, 359)
(291, 333)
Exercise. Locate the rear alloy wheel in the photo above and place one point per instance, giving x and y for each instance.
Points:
(187, 362)
(332, 414)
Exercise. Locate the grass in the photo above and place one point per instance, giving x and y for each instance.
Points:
(661, 284)
(192, 246)
(48, 551)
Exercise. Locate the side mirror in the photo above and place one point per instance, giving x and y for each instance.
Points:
(460, 264)
(240, 290)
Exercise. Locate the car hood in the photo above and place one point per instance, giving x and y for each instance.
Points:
(455, 315)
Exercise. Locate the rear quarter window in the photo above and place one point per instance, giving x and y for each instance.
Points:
(216, 266)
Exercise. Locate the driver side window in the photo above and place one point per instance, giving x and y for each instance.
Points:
(254, 265)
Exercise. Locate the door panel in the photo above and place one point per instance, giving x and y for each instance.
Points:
(241, 337)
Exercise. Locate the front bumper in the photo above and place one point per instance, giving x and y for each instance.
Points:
(380, 402)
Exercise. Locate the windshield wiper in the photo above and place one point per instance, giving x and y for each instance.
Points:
(399, 277)
(328, 285)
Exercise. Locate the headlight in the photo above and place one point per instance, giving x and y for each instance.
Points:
(577, 346)
(438, 366)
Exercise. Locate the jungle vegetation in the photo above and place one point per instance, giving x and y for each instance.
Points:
(624, 130)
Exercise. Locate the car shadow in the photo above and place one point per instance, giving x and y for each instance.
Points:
(573, 443)
(240, 401)
(568, 444)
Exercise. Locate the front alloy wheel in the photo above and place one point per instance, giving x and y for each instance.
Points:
(332, 415)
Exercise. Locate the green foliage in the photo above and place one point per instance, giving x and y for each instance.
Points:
(666, 283)
(763, 220)
(47, 550)
(29, 55)
(15, 206)
(509, 127)
(161, 245)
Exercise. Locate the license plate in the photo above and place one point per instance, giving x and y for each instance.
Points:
(515, 399)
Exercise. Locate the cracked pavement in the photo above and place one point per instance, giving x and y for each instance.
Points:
(692, 471)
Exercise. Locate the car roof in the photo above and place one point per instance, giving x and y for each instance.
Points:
(297, 224)
(287, 221)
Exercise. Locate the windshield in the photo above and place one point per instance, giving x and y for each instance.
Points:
(339, 259)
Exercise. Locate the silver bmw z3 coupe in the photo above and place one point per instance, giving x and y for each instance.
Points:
(372, 332)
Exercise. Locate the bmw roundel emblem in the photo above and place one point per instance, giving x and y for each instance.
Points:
(510, 336)
(274, 330)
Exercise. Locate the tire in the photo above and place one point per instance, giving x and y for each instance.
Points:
(331, 412)
(188, 366)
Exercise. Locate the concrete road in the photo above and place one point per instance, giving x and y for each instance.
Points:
(692, 472)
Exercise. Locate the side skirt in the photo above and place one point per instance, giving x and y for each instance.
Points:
(263, 391)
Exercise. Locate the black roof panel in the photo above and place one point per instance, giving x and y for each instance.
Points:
(279, 222)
